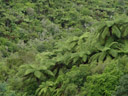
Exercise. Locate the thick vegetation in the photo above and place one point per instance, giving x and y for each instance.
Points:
(63, 48)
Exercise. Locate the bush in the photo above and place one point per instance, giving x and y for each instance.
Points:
(122, 89)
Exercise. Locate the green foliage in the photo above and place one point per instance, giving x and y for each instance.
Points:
(5, 91)
(63, 47)
(45, 89)
(123, 86)
(105, 83)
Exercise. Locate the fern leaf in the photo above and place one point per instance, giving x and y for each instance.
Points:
(113, 52)
(116, 31)
(37, 74)
(84, 58)
(41, 91)
(105, 32)
(29, 71)
(125, 32)
(75, 59)
(49, 72)
(102, 56)
(42, 68)
(105, 49)
(109, 23)
(94, 57)
(101, 27)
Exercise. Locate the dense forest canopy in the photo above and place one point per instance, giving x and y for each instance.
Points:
(63, 48)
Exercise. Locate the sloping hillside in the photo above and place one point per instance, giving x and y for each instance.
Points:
(63, 48)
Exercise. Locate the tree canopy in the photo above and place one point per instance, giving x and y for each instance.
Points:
(63, 47)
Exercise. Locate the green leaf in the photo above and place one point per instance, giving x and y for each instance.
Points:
(33, 66)
(101, 26)
(84, 58)
(28, 71)
(37, 74)
(41, 91)
(105, 49)
(94, 57)
(125, 32)
(102, 56)
(113, 52)
(85, 35)
(105, 32)
(49, 72)
(42, 68)
(109, 23)
(75, 59)
(81, 54)
(72, 45)
(116, 31)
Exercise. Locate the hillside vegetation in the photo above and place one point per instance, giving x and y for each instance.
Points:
(63, 48)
